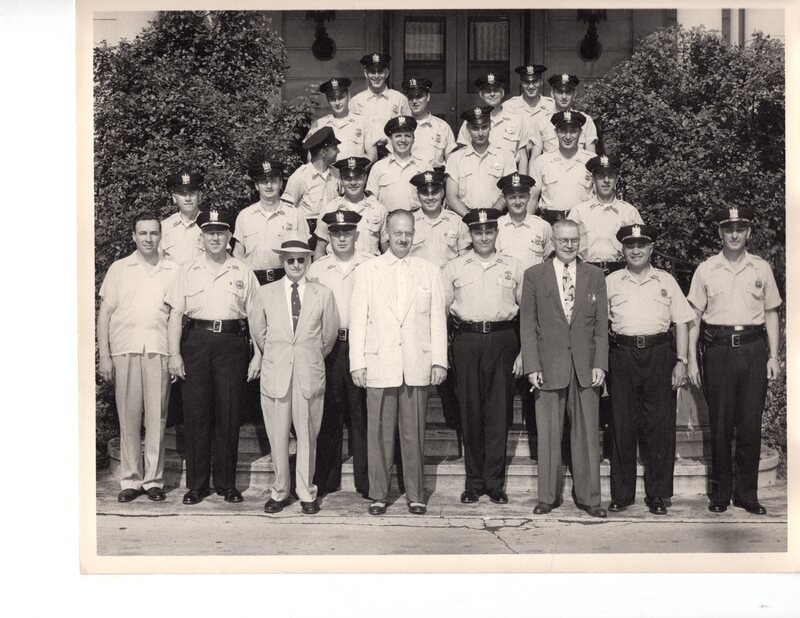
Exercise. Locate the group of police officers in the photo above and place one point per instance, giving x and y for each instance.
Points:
(184, 306)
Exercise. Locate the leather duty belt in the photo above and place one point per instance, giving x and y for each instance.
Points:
(235, 327)
(638, 341)
(732, 336)
(269, 275)
(483, 328)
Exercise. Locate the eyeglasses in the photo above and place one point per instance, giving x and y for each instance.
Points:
(567, 241)
(297, 260)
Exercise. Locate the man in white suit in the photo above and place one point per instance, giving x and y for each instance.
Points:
(398, 347)
(296, 325)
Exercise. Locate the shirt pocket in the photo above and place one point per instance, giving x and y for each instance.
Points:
(508, 288)
(195, 297)
(451, 239)
(754, 296)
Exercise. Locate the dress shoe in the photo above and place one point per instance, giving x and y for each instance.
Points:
(717, 507)
(595, 510)
(232, 495)
(498, 496)
(417, 508)
(309, 508)
(377, 507)
(156, 494)
(543, 508)
(616, 507)
(656, 506)
(128, 495)
(469, 496)
(195, 496)
(754, 508)
(275, 506)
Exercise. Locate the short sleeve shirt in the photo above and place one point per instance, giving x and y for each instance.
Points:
(507, 134)
(352, 131)
(599, 224)
(205, 294)
(517, 105)
(433, 141)
(260, 231)
(477, 174)
(542, 133)
(478, 294)
(378, 109)
(136, 292)
(371, 228)
(564, 182)
(529, 241)
(338, 277)
(441, 239)
(390, 182)
(645, 308)
(734, 295)
(309, 189)
(181, 241)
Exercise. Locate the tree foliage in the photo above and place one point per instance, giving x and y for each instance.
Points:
(699, 125)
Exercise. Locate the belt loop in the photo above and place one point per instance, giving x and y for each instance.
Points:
(735, 340)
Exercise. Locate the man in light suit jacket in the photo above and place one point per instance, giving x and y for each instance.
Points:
(564, 337)
(296, 326)
(398, 347)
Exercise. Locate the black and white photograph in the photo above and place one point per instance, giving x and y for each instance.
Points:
(493, 287)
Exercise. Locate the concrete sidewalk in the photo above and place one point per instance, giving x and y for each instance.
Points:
(343, 527)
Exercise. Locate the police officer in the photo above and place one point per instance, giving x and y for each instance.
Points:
(217, 293)
(473, 171)
(352, 131)
(433, 137)
(482, 291)
(508, 130)
(180, 235)
(735, 295)
(601, 216)
(344, 401)
(521, 235)
(543, 139)
(531, 104)
(263, 225)
(643, 372)
(389, 178)
(562, 180)
(370, 235)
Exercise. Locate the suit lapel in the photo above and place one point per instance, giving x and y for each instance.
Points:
(306, 305)
(387, 285)
(580, 287)
(279, 308)
(413, 272)
(555, 287)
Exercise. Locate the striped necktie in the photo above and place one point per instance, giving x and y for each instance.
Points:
(295, 306)
(569, 292)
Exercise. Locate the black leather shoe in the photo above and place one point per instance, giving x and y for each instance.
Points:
(417, 508)
(717, 507)
(543, 508)
(595, 510)
(129, 495)
(309, 508)
(156, 494)
(232, 495)
(275, 506)
(498, 496)
(754, 508)
(656, 506)
(617, 507)
(469, 496)
(378, 507)
(195, 497)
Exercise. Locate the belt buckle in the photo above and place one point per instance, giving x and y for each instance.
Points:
(217, 326)
(486, 328)
(640, 341)
(735, 340)
(270, 275)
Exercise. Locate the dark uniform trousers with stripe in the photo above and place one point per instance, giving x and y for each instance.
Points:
(485, 391)
(643, 412)
(735, 384)
(345, 403)
(216, 373)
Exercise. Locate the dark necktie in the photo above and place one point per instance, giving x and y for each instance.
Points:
(295, 306)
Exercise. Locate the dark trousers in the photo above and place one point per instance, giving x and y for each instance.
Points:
(485, 390)
(643, 404)
(344, 403)
(216, 372)
(735, 382)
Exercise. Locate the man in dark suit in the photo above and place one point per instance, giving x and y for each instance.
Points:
(564, 338)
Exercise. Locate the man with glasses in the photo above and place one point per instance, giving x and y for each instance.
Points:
(564, 336)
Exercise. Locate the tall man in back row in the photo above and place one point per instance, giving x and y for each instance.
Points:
(736, 300)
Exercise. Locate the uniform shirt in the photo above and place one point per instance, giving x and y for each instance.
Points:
(352, 131)
(433, 139)
(390, 182)
(338, 277)
(528, 241)
(181, 242)
(260, 232)
(309, 190)
(203, 294)
(543, 133)
(729, 295)
(371, 229)
(645, 308)
(139, 321)
(564, 182)
(507, 134)
(478, 294)
(517, 105)
(378, 109)
(439, 240)
(477, 174)
(599, 224)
